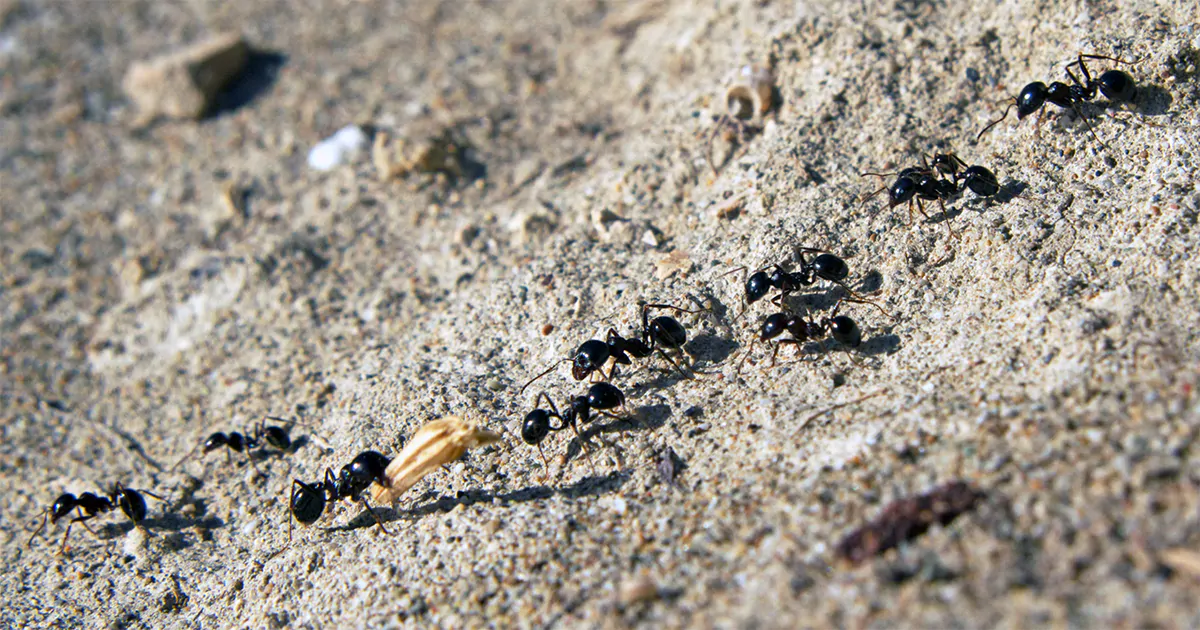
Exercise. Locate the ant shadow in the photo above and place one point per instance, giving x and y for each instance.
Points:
(169, 525)
(710, 349)
(1152, 101)
(1009, 190)
(593, 486)
(876, 345)
(261, 72)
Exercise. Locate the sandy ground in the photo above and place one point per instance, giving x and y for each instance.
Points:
(1047, 355)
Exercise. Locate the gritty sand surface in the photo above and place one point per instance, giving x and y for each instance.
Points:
(1048, 355)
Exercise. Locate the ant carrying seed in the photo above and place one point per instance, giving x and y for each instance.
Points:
(262, 435)
(745, 105)
(90, 506)
(662, 332)
(841, 328)
(601, 397)
(1116, 85)
(308, 499)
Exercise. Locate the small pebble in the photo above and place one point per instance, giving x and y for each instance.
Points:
(337, 149)
(185, 84)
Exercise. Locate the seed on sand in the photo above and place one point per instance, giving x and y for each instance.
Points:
(435, 444)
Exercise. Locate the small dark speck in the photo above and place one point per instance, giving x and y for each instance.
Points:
(695, 411)
(1116, 263)
(754, 427)
(972, 75)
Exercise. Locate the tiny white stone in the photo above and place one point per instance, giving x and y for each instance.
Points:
(337, 149)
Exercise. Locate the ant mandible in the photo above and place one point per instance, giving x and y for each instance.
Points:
(1116, 85)
(90, 506)
(661, 332)
(272, 435)
(601, 397)
(308, 499)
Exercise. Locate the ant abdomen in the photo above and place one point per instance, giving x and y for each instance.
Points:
(1118, 86)
(845, 331)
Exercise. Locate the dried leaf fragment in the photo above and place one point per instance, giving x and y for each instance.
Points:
(437, 443)
(908, 518)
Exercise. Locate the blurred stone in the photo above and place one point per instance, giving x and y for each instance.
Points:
(185, 83)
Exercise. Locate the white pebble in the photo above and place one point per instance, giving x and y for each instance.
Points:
(337, 149)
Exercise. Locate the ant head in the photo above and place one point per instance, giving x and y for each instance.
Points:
(132, 503)
(845, 331)
(368, 466)
(757, 286)
(215, 441)
(1030, 99)
(830, 267)
(667, 331)
(605, 396)
(307, 502)
(536, 427)
(1117, 86)
(774, 325)
(902, 191)
(277, 437)
(591, 356)
(62, 506)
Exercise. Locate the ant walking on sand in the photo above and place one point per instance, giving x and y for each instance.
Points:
(90, 506)
(925, 183)
(262, 435)
(841, 328)
(824, 266)
(601, 397)
(662, 332)
(1116, 85)
(308, 499)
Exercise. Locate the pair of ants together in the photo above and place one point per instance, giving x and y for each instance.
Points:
(132, 503)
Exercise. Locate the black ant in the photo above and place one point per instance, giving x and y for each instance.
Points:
(922, 183)
(1116, 85)
(656, 334)
(842, 328)
(243, 443)
(537, 425)
(978, 179)
(824, 266)
(308, 499)
(90, 506)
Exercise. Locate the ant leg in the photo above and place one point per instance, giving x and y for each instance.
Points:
(779, 344)
(378, 521)
(946, 219)
(1128, 63)
(82, 520)
(587, 449)
(745, 303)
(545, 464)
(1087, 124)
(673, 364)
(745, 354)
